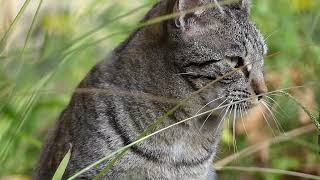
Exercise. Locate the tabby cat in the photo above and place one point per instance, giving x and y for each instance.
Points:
(127, 92)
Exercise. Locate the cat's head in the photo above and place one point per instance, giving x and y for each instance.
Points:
(211, 42)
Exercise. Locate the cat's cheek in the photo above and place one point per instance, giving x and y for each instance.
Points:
(191, 32)
(198, 83)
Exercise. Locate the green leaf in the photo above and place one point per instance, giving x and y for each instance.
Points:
(63, 166)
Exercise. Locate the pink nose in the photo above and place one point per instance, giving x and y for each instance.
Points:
(259, 87)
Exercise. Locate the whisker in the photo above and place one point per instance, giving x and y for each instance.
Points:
(281, 109)
(246, 112)
(223, 118)
(234, 130)
(206, 120)
(242, 120)
(229, 116)
(211, 114)
(273, 117)
(267, 121)
(208, 104)
(272, 107)
(243, 100)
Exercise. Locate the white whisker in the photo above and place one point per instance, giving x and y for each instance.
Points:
(242, 119)
(267, 121)
(281, 109)
(223, 118)
(211, 114)
(234, 129)
(273, 108)
(273, 117)
(228, 123)
(208, 104)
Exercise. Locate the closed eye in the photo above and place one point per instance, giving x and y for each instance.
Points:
(235, 61)
(238, 62)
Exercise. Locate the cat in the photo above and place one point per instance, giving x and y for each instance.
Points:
(168, 60)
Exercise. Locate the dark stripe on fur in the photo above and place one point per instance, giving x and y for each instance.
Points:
(199, 64)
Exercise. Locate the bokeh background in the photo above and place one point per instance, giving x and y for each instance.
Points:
(48, 46)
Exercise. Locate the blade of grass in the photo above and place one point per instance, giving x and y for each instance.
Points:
(28, 37)
(63, 165)
(270, 171)
(20, 56)
(89, 33)
(32, 98)
(68, 49)
(12, 25)
(305, 109)
(29, 105)
(254, 148)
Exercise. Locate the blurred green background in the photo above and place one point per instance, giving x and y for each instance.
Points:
(47, 47)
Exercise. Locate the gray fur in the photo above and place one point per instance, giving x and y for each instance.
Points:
(165, 61)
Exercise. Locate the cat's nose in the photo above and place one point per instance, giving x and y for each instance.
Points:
(259, 87)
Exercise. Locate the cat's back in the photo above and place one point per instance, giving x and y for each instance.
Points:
(62, 136)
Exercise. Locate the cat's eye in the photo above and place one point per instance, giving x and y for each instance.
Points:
(238, 62)
(235, 61)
